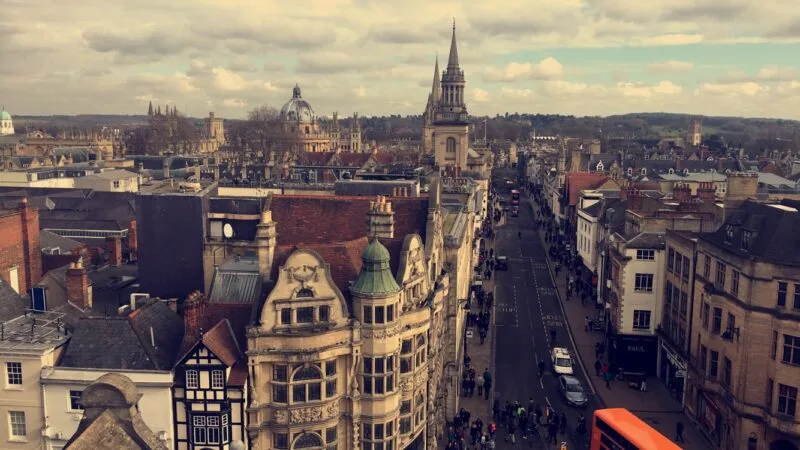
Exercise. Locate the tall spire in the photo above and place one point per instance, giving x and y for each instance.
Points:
(436, 89)
(452, 61)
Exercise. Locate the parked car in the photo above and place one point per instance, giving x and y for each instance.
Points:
(572, 390)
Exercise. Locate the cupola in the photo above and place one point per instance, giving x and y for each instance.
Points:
(376, 277)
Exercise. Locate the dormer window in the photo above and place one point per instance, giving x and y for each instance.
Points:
(728, 234)
(629, 171)
(644, 171)
(746, 235)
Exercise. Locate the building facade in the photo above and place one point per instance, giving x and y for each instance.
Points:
(6, 123)
(744, 371)
(20, 256)
(359, 367)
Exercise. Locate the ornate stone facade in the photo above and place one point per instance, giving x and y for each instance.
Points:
(345, 368)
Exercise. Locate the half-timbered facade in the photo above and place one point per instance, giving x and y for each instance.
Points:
(209, 394)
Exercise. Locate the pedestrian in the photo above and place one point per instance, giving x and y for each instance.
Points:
(487, 383)
(586, 324)
(679, 432)
(563, 423)
(482, 333)
(492, 429)
(607, 377)
(479, 382)
(643, 384)
(495, 409)
(597, 366)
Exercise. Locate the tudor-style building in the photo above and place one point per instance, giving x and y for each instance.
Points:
(356, 364)
(209, 394)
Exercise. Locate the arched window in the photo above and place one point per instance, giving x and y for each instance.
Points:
(451, 145)
(307, 130)
(305, 384)
(308, 440)
(421, 350)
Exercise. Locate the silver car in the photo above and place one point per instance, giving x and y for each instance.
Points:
(572, 391)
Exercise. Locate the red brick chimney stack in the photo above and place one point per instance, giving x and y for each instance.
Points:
(193, 310)
(634, 199)
(31, 253)
(132, 241)
(706, 192)
(79, 293)
(114, 244)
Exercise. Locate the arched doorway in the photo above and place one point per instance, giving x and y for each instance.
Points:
(782, 444)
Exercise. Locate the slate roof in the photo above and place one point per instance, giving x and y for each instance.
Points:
(125, 342)
(12, 305)
(236, 282)
(647, 241)
(109, 431)
(48, 239)
(774, 235)
(348, 159)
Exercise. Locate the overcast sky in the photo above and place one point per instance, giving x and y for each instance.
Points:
(582, 57)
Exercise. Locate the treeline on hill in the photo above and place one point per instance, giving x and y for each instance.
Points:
(752, 134)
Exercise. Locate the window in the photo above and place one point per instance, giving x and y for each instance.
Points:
(324, 313)
(782, 289)
(670, 259)
(379, 315)
(668, 295)
(684, 304)
(390, 313)
(116, 183)
(717, 324)
(14, 373)
(304, 293)
(726, 373)
(405, 417)
(217, 379)
(641, 319)
(644, 282)
(720, 278)
(379, 375)
(206, 429)
(451, 145)
(286, 316)
(75, 400)
(645, 255)
(280, 378)
(746, 235)
(735, 282)
(770, 393)
(307, 385)
(378, 436)
(686, 268)
(705, 314)
(367, 314)
(796, 304)
(305, 314)
(192, 379)
(713, 365)
(678, 265)
(728, 234)
(787, 400)
(17, 421)
(703, 358)
(791, 349)
(707, 267)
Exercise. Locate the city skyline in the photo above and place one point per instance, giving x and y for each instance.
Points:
(593, 57)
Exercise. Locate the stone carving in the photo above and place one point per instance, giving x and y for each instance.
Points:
(304, 415)
(380, 334)
(420, 378)
(280, 417)
(332, 410)
(304, 273)
(406, 384)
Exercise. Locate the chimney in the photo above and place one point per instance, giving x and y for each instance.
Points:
(114, 246)
(197, 173)
(133, 245)
(79, 292)
(166, 168)
(193, 310)
(216, 172)
(706, 192)
(266, 240)
(32, 254)
(681, 193)
(634, 199)
(380, 218)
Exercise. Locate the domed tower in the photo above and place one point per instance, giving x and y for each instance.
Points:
(376, 300)
(300, 126)
(6, 125)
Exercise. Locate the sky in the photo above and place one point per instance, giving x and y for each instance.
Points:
(376, 57)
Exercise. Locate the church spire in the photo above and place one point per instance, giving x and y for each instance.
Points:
(150, 109)
(436, 88)
(452, 61)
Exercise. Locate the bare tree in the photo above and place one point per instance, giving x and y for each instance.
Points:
(263, 114)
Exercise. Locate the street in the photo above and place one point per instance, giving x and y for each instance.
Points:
(527, 309)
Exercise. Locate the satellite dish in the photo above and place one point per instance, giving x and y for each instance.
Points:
(227, 231)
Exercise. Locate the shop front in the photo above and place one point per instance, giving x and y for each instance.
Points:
(710, 419)
(672, 370)
(634, 354)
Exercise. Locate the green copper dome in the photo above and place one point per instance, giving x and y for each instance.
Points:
(4, 115)
(376, 275)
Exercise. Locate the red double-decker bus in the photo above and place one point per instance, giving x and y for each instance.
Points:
(619, 429)
(515, 197)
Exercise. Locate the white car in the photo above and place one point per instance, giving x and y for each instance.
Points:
(562, 361)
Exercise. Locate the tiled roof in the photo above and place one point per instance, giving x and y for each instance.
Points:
(315, 158)
(238, 374)
(221, 341)
(647, 241)
(312, 219)
(50, 240)
(107, 430)
(236, 282)
(352, 159)
(127, 342)
(578, 181)
(12, 305)
(383, 158)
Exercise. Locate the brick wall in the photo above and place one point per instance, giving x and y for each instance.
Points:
(19, 246)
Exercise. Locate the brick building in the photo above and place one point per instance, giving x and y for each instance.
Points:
(744, 371)
(20, 256)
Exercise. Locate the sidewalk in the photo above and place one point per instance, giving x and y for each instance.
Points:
(656, 406)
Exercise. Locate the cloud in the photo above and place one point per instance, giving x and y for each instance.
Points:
(732, 89)
(360, 92)
(640, 90)
(226, 80)
(150, 45)
(331, 62)
(479, 95)
(771, 73)
(561, 87)
(673, 39)
(670, 66)
(234, 103)
(547, 68)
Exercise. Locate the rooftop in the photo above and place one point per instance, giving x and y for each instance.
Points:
(33, 331)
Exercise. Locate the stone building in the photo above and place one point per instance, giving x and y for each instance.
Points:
(300, 130)
(744, 370)
(6, 124)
